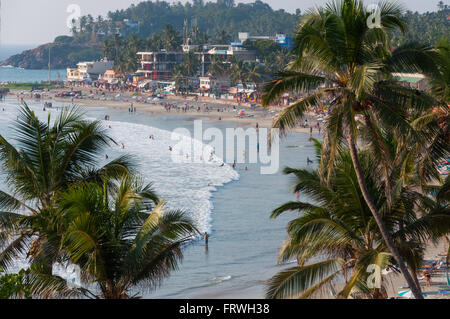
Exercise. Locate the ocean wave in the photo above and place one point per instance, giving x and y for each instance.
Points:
(184, 184)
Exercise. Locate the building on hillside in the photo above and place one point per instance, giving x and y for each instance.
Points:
(73, 75)
(159, 65)
(110, 77)
(281, 39)
(210, 83)
(89, 70)
(224, 53)
(110, 28)
(412, 80)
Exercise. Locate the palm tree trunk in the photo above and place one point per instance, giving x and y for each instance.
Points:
(384, 232)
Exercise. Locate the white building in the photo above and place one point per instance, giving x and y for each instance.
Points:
(92, 70)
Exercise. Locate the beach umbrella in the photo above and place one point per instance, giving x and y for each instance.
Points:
(408, 294)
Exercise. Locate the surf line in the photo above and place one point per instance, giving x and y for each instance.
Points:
(191, 309)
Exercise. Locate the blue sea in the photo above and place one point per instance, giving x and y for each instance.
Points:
(232, 205)
(11, 74)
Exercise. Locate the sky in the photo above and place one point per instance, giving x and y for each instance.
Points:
(40, 21)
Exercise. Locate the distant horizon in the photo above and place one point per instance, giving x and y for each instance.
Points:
(21, 25)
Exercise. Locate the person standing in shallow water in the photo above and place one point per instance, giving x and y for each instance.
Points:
(206, 238)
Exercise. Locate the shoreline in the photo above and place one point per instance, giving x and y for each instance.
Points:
(394, 283)
(254, 115)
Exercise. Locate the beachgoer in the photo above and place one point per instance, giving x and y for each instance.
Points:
(427, 276)
(206, 238)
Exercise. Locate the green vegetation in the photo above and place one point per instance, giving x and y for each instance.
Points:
(338, 236)
(428, 27)
(217, 20)
(28, 86)
(13, 286)
(101, 219)
(350, 65)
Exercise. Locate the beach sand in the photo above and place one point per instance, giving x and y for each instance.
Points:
(396, 282)
(264, 118)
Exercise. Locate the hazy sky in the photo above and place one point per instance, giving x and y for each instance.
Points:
(40, 21)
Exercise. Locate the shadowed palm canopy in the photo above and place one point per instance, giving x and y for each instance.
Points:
(340, 59)
(120, 236)
(335, 239)
(42, 159)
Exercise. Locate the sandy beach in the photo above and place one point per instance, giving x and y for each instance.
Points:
(223, 111)
(219, 109)
(396, 283)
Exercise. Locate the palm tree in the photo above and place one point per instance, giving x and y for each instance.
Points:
(216, 66)
(440, 86)
(45, 160)
(239, 72)
(170, 38)
(191, 63)
(121, 238)
(337, 237)
(254, 73)
(344, 60)
(179, 76)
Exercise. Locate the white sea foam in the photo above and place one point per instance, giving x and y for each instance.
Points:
(184, 185)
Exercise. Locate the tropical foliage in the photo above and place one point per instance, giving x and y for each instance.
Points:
(341, 59)
(335, 238)
(63, 208)
(120, 237)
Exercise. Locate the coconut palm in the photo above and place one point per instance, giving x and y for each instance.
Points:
(42, 160)
(191, 63)
(238, 71)
(343, 59)
(216, 66)
(440, 86)
(121, 238)
(170, 38)
(336, 237)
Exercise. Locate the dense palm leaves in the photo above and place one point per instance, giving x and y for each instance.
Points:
(343, 60)
(336, 237)
(119, 236)
(66, 210)
(42, 160)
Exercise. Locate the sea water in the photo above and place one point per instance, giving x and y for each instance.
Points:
(234, 206)
(11, 74)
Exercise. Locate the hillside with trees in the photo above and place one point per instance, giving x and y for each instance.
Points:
(161, 25)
